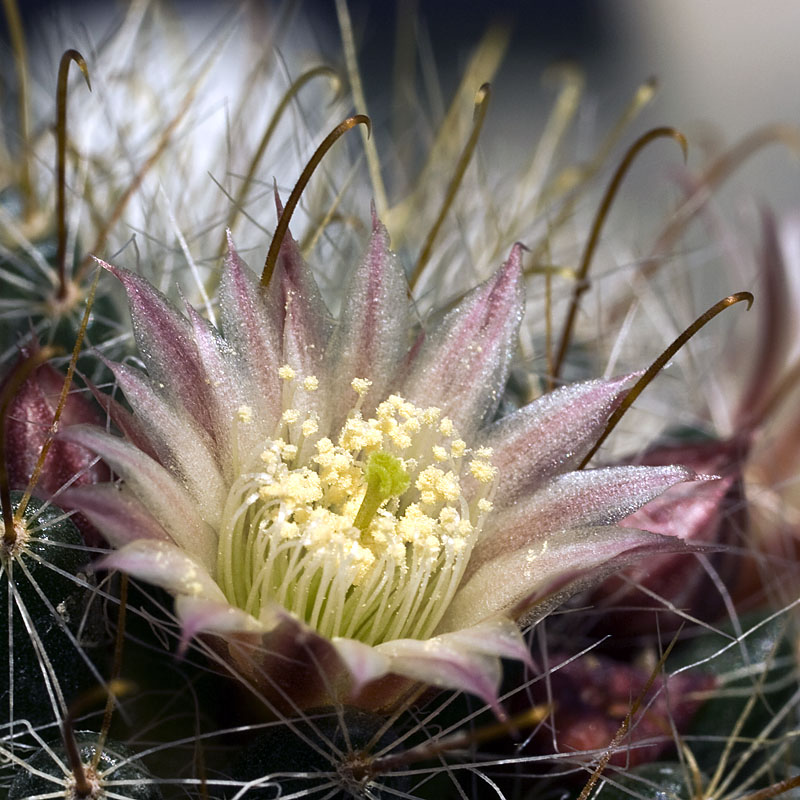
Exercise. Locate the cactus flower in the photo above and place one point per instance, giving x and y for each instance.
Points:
(333, 506)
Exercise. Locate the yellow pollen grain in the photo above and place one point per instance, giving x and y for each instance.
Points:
(400, 438)
(415, 526)
(299, 487)
(269, 458)
(485, 505)
(482, 471)
(446, 427)
(290, 416)
(310, 427)
(436, 485)
(448, 516)
(458, 447)
(360, 386)
(244, 414)
(359, 435)
(286, 373)
(431, 415)
(412, 425)
(484, 453)
(311, 383)
(439, 453)
(289, 452)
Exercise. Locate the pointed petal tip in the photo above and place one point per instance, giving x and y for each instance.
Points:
(513, 264)
(277, 197)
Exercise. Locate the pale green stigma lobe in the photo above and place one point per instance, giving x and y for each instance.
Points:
(386, 478)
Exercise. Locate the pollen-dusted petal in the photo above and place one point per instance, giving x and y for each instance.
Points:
(306, 320)
(550, 435)
(155, 487)
(574, 500)
(446, 662)
(181, 446)
(464, 361)
(511, 582)
(166, 565)
(370, 338)
(122, 419)
(164, 338)
(115, 511)
(224, 389)
(252, 326)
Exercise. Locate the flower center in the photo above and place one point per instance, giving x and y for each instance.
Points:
(365, 538)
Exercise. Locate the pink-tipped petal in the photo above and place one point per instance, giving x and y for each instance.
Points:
(575, 500)
(370, 339)
(252, 327)
(123, 420)
(364, 663)
(115, 511)
(184, 449)
(512, 582)
(155, 487)
(306, 320)
(550, 435)
(446, 662)
(463, 363)
(202, 615)
(223, 387)
(164, 338)
(166, 565)
(500, 636)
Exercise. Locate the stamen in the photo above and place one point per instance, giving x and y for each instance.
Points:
(367, 538)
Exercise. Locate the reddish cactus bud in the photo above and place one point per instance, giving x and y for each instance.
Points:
(28, 422)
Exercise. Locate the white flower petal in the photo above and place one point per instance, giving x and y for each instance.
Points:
(155, 487)
(182, 447)
(591, 497)
(446, 662)
(550, 435)
(201, 615)
(365, 663)
(508, 583)
(166, 565)
(463, 363)
(370, 339)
